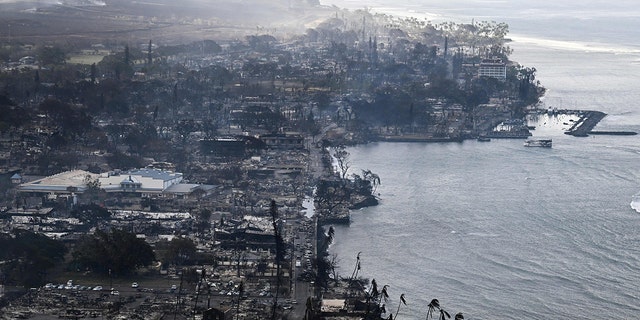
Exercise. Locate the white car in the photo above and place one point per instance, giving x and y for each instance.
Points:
(134, 285)
(97, 288)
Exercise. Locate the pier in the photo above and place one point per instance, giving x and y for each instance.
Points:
(588, 120)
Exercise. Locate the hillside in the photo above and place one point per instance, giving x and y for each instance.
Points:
(162, 20)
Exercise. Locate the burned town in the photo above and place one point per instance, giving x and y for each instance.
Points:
(197, 173)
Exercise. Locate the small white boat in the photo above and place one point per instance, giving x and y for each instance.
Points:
(544, 143)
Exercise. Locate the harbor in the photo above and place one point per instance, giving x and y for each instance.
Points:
(588, 120)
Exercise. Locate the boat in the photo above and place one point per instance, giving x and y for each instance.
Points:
(483, 139)
(544, 143)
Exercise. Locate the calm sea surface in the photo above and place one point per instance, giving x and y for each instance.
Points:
(499, 231)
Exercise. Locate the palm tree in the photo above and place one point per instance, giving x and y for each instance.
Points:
(459, 316)
(353, 283)
(375, 297)
(372, 294)
(240, 293)
(435, 305)
(383, 295)
(444, 314)
(402, 301)
(309, 310)
(354, 274)
(279, 254)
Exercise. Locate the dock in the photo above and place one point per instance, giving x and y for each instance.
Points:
(588, 120)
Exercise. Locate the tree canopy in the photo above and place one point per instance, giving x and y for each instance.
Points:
(180, 251)
(27, 256)
(117, 252)
(90, 213)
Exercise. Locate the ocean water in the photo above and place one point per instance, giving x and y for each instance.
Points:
(499, 231)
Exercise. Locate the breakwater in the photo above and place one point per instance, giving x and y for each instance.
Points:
(614, 133)
(418, 138)
(588, 120)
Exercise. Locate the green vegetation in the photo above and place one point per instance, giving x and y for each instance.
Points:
(27, 257)
(179, 251)
(116, 252)
(90, 214)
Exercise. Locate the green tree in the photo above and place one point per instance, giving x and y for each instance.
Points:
(203, 220)
(181, 251)
(331, 194)
(12, 115)
(28, 256)
(124, 161)
(373, 178)
(90, 214)
(51, 55)
(341, 155)
(71, 120)
(116, 252)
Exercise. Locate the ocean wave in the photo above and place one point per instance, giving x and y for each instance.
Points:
(635, 202)
(575, 45)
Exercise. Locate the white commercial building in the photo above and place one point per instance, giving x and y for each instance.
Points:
(494, 68)
(144, 181)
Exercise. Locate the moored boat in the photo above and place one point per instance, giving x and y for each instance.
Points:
(544, 143)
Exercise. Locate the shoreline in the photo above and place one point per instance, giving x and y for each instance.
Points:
(589, 119)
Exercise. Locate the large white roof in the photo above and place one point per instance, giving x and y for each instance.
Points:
(74, 180)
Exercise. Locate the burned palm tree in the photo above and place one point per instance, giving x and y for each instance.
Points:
(444, 314)
(354, 284)
(375, 298)
(356, 269)
(402, 301)
(199, 285)
(309, 312)
(240, 294)
(435, 305)
(279, 254)
(371, 295)
(384, 296)
(459, 316)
